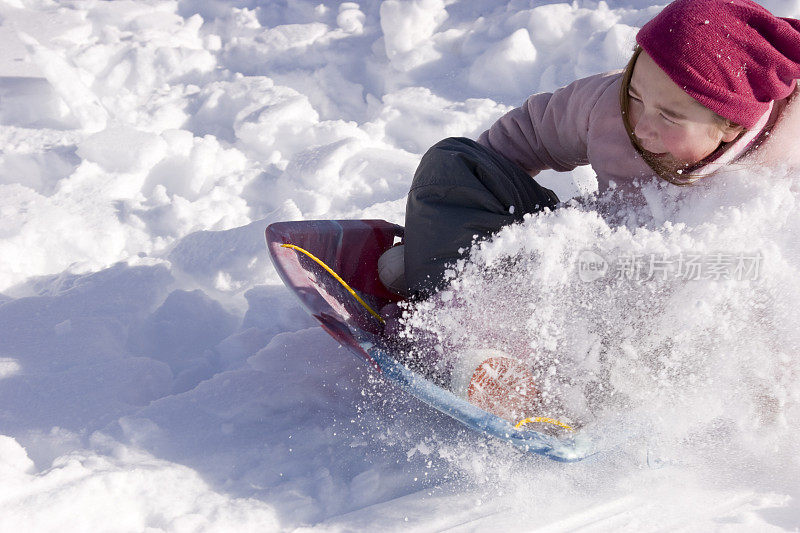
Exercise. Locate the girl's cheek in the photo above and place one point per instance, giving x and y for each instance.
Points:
(679, 143)
(673, 137)
(689, 148)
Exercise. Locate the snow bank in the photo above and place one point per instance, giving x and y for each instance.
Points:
(123, 490)
(154, 373)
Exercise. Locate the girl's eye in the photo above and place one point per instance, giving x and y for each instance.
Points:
(667, 119)
(634, 98)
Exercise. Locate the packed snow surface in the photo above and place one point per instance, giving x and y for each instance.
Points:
(156, 375)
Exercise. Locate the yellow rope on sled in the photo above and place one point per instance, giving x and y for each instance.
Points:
(518, 425)
(544, 420)
(338, 278)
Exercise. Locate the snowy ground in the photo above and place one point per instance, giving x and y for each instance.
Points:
(155, 375)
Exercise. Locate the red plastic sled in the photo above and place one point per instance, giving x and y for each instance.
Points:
(351, 248)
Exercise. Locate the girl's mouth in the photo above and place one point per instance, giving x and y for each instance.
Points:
(658, 155)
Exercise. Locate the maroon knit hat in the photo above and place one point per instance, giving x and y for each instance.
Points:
(732, 56)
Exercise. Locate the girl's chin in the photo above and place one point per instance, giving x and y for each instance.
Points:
(667, 159)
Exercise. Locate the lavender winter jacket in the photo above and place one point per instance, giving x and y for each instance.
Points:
(582, 124)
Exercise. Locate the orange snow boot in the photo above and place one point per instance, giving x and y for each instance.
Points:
(496, 382)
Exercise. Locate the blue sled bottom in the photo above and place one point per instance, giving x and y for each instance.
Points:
(568, 449)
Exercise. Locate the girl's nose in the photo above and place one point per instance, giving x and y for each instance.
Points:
(643, 128)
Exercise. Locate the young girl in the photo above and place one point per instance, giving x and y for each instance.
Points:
(708, 82)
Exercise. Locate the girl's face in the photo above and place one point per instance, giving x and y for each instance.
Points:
(669, 123)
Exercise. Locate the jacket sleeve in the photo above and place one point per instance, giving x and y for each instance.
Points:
(550, 130)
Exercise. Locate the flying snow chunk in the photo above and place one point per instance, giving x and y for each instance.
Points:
(8, 367)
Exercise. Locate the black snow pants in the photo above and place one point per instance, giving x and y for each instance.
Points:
(461, 191)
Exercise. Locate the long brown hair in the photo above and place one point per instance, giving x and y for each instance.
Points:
(676, 177)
